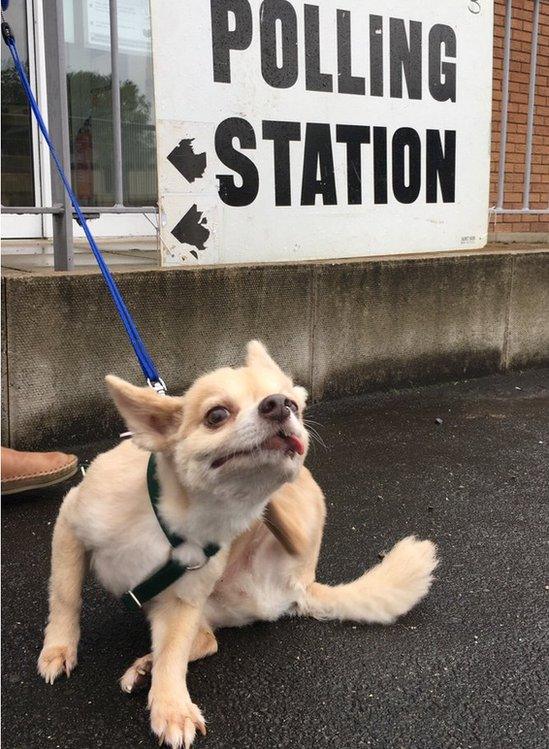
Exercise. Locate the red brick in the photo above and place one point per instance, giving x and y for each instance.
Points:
(521, 48)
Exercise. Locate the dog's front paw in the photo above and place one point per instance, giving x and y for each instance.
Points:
(55, 660)
(175, 722)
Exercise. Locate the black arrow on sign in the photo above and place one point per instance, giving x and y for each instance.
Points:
(190, 164)
(191, 230)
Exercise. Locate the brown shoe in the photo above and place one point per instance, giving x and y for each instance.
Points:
(23, 471)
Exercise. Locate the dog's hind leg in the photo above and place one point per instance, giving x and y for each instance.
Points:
(68, 566)
(205, 643)
(137, 675)
(381, 594)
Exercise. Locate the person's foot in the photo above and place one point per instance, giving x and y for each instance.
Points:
(23, 471)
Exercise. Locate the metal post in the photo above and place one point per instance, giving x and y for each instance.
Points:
(58, 122)
(116, 116)
(531, 107)
(504, 104)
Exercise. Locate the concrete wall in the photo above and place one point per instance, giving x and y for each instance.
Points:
(340, 328)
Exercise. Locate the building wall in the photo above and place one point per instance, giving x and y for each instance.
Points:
(339, 327)
(521, 43)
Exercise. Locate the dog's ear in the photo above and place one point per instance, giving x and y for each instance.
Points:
(258, 356)
(301, 395)
(154, 419)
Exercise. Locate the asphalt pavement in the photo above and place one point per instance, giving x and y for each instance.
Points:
(465, 464)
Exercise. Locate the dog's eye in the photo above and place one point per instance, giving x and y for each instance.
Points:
(292, 405)
(216, 416)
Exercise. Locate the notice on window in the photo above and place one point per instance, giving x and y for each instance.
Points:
(134, 26)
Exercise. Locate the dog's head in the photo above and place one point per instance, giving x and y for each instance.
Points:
(232, 428)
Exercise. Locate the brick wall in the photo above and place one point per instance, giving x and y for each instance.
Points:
(521, 40)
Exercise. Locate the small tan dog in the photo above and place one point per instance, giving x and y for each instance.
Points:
(229, 457)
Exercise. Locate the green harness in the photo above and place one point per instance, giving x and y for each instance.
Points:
(170, 572)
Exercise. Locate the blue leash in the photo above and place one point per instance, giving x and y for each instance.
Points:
(143, 356)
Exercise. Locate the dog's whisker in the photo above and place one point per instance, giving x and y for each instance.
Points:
(318, 442)
(306, 420)
(309, 426)
(312, 428)
(316, 437)
(315, 441)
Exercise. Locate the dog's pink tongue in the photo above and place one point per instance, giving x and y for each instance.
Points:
(296, 444)
(276, 442)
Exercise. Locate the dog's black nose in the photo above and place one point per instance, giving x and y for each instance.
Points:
(275, 407)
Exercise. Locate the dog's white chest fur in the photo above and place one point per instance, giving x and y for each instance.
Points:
(125, 539)
(129, 562)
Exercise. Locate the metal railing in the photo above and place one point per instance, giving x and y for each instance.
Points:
(58, 118)
(499, 207)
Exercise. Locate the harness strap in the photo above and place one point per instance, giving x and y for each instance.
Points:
(170, 572)
(154, 494)
(153, 585)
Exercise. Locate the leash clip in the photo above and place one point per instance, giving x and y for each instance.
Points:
(7, 33)
(159, 386)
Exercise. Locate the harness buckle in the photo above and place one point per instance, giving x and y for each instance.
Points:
(130, 601)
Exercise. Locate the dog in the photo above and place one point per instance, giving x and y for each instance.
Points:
(230, 470)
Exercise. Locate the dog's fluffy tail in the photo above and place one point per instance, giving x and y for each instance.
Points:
(383, 593)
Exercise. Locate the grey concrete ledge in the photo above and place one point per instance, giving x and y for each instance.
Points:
(339, 327)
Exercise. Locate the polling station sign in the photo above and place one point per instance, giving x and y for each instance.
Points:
(343, 128)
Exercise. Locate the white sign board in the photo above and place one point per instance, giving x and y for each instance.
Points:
(293, 131)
